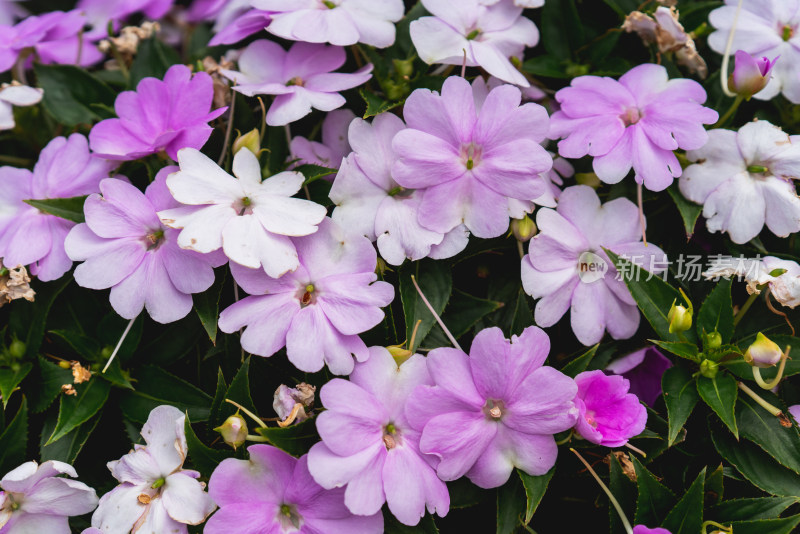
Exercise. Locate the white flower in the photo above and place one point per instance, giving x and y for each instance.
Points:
(744, 181)
(782, 277)
(250, 219)
(765, 28)
(156, 495)
(16, 95)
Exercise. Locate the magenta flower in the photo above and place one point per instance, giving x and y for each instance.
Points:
(160, 115)
(301, 78)
(635, 122)
(124, 246)
(641, 529)
(794, 410)
(489, 34)
(750, 75)
(339, 22)
(318, 310)
(28, 236)
(155, 493)
(471, 155)
(368, 445)
(567, 268)
(244, 25)
(643, 369)
(493, 410)
(609, 415)
(36, 499)
(369, 201)
(334, 146)
(100, 12)
(274, 492)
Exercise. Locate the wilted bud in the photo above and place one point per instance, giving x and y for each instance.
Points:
(714, 340)
(233, 430)
(286, 398)
(523, 229)
(763, 352)
(750, 75)
(14, 284)
(680, 318)
(251, 141)
(709, 368)
(399, 354)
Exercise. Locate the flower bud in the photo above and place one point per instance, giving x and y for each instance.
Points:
(251, 141)
(399, 354)
(750, 75)
(680, 318)
(404, 67)
(709, 368)
(714, 340)
(763, 352)
(233, 430)
(17, 349)
(523, 229)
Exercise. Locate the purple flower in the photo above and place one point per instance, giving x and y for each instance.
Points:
(301, 78)
(643, 369)
(244, 25)
(369, 201)
(15, 95)
(339, 22)
(160, 115)
(334, 146)
(471, 155)
(10, 11)
(36, 499)
(744, 181)
(250, 219)
(750, 75)
(641, 529)
(368, 444)
(637, 121)
(489, 34)
(28, 236)
(316, 311)
(493, 410)
(155, 493)
(795, 411)
(286, 399)
(100, 12)
(125, 247)
(609, 415)
(567, 268)
(274, 492)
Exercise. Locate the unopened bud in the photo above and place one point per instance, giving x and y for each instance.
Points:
(588, 178)
(404, 67)
(750, 75)
(523, 229)
(399, 354)
(64, 364)
(709, 368)
(233, 430)
(251, 141)
(17, 349)
(680, 318)
(714, 340)
(763, 352)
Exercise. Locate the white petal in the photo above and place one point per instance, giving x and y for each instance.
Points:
(163, 433)
(21, 95)
(185, 499)
(246, 242)
(201, 181)
(288, 216)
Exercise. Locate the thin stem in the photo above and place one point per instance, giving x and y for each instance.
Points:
(775, 381)
(260, 439)
(777, 312)
(636, 449)
(641, 212)
(119, 344)
(263, 131)
(123, 68)
(723, 75)
(625, 523)
(761, 402)
(436, 315)
(750, 300)
(250, 414)
(464, 64)
(567, 439)
(707, 524)
(228, 130)
(414, 334)
(731, 110)
(520, 249)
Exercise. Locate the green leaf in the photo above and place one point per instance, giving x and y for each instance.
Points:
(435, 280)
(624, 490)
(28, 322)
(204, 458)
(720, 394)
(464, 493)
(294, 439)
(679, 348)
(687, 516)
(654, 296)
(375, 104)
(655, 500)
(425, 526)
(10, 379)
(680, 396)
(14, 440)
(523, 318)
(751, 509)
(689, 210)
(766, 431)
(562, 30)
(77, 409)
(535, 488)
(546, 66)
(70, 209)
(768, 526)
(215, 416)
(623, 7)
(754, 464)
(510, 505)
(313, 173)
(715, 486)
(206, 305)
(84, 346)
(462, 312)
(155, 387)
(69, 93)
(153, 59)
(716, 313)
(67, 448)
(239, 390)
(48, 384)
(579, 364)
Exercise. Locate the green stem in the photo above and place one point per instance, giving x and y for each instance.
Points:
(750, 300)
(730, 112)
(252, 437)
(714, 524)
(625, 523)
(761, 402)
(252, 416)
